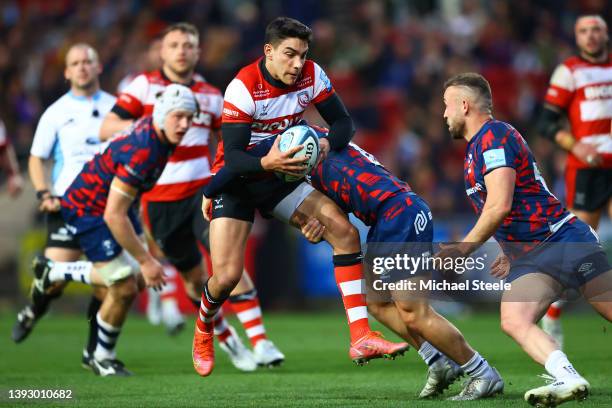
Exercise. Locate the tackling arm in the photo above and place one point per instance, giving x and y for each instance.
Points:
(500, 191)
(113, 123)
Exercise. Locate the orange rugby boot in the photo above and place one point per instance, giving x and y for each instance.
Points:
(373, 345)
(203, 352)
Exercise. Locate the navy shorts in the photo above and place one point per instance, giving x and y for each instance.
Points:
(95, 238)
(572, 255)
(404, 228)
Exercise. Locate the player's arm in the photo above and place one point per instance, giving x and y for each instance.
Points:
(341, 126)
(236, 137)
(499, 184)
(550, 127)
(36, 169)
(127, 108)
(120, 199)
(113, 123)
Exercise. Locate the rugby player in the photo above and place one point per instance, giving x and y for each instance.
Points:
(265, 98)
(581, 90)
(67, 133)
(171, 210)
(400, 222)
(545, 247)
(99, 209)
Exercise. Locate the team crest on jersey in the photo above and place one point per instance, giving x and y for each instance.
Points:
(303, 99)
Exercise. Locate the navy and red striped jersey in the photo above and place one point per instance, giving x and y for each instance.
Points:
(137, 158)
(356, 182)
(536, 213)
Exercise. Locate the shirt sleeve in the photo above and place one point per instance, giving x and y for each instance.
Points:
(323, 88)
(501, 150)
(131, 101)
(238, 104)
(561, 88)
(217, 114)
(45, 136)
(133, 165)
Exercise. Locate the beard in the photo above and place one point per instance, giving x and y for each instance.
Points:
(597, 53)
(86, 86)
(456, 130)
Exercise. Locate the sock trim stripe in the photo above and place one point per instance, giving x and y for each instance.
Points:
(354, 301)
(357, 313)
(252, 323)
(244, 305)
(108, 346)
(254, 331)
(348, 273)
(110, 330)
(107, 339)
(353, 287)
(249, 314)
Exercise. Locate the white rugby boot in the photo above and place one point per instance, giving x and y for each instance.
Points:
(267, 354)
(241, 357)
(558, 391)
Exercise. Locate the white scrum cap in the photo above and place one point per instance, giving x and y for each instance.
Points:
(175, 97)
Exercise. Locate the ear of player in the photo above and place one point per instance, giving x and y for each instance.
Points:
(300, 135)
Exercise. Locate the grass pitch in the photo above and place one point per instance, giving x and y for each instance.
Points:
(317, 372)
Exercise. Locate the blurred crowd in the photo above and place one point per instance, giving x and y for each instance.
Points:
(387, 59)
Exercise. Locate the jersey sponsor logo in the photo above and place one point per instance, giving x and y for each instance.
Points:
(231, 112)
(598, 92)
(306, 81)
(420, 222)
(472, 190)
(274, 126)
(260, 92)
(303, 99)
(494, 158)
(125, 98)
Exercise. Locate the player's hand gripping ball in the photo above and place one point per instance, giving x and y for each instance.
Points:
(296, 136)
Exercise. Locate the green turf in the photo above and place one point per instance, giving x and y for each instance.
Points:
(317, 371)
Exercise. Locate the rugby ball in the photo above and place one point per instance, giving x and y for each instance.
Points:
(296, 136)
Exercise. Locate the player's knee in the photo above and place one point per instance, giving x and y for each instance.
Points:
(348, 238)
(511, 324)
(414, 314)
(125, 291)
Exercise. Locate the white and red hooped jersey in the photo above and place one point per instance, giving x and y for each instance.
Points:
(584, 90)
(251, 99)
(188, 168)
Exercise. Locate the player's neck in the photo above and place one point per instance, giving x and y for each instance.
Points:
(603, 57)
(184, 79)
(85, 92)
(474, 124)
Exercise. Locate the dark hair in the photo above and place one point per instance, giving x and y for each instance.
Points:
(183, 27)
(285, 27)
(476, 83)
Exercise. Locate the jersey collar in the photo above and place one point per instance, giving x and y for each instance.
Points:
(269, 78)
(83, 98)
(480, 131)
(163, 75)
